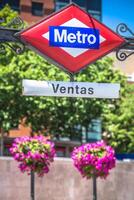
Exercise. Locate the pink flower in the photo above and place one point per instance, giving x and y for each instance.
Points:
(94, 159)
(33, 154)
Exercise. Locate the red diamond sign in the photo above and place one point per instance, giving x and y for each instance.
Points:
(71, 38)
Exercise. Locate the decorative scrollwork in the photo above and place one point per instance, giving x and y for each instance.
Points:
(123, 55)
(8, 38)
(123, 28)
(2, 48)
(16, 23)
(18, 48)
(128, 48)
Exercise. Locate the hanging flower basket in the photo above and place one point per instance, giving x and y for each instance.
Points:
(33, 154)
(94, 159)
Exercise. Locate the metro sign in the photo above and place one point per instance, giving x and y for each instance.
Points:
(71, 38)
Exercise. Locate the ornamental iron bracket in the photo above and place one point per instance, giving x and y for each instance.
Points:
(8, 36)
(127, 49)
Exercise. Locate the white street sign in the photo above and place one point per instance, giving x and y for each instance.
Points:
(70, 89)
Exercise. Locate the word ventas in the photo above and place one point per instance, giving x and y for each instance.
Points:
(70, 89)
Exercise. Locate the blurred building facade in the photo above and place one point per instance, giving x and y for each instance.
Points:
(34, 10)
(126, 66)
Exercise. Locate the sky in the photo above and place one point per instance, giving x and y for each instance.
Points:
(115, 12)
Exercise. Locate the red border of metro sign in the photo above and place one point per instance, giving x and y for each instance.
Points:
(70, 58)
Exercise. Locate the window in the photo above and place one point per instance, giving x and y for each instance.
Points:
(94, 130)
(14, 4)
(3, 3)
(60, 3)
(94, 5)
(91, 6)
(37, 9)
(81, 3)
(95, 14)
(94, 8)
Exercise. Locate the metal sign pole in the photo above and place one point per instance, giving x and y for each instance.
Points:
(94, 188)
(32, 181)
(2, 143)
(71, 77)
(94, 177)
(32, 185)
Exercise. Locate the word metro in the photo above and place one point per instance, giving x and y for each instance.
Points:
(75, 37)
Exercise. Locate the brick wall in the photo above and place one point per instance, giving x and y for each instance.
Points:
(26, 14)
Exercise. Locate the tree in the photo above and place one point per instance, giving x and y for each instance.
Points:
(57, 115)
(120, 126)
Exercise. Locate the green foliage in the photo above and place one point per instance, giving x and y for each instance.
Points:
(60, 115)
(8, 14)
(120, 125)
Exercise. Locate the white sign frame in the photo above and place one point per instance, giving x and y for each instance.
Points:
(70, 89)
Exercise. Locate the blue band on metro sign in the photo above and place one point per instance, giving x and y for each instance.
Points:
(75, 37)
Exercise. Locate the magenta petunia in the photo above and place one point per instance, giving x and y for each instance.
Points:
(33, 154)
(94, 159)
